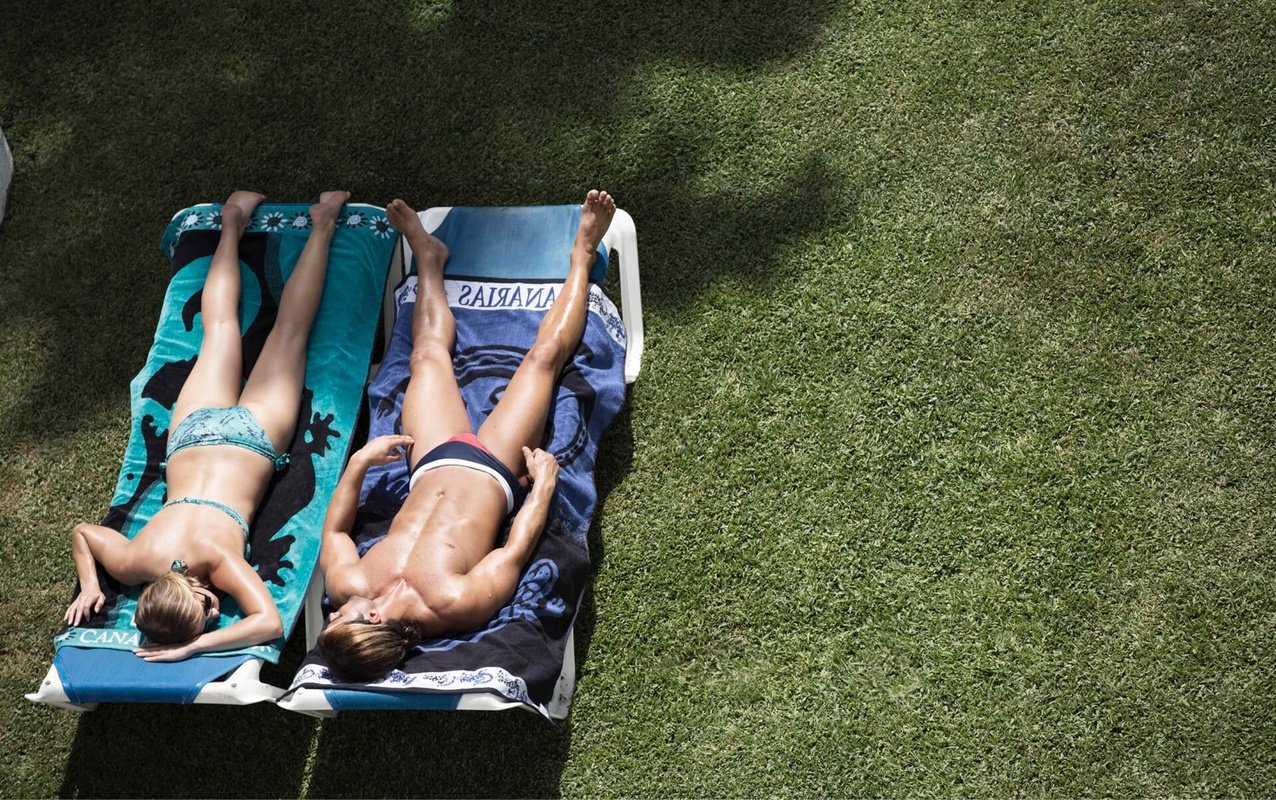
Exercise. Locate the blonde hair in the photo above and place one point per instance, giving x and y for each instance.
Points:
(169, 611)
(366, 651)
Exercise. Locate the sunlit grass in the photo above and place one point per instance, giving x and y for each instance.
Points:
(950, 467)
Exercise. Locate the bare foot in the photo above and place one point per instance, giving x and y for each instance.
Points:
(595, 218)
(324, 213)
(406, 222)
(238, 208)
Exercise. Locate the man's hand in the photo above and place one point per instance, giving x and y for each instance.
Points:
(541, 467)
(166, 652)
(385, 450)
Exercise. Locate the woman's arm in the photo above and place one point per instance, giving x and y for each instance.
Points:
(92, 545)
(260, 624)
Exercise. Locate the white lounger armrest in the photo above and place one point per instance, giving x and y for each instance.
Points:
(622, 237)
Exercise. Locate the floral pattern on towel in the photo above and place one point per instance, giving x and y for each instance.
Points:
(276, 218)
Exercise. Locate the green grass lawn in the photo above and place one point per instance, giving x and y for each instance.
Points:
(950, 469)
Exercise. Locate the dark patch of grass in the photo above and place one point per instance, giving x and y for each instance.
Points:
(188, 751)
(440, 754)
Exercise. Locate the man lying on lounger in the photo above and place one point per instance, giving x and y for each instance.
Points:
(438, 570)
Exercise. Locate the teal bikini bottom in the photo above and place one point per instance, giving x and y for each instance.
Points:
(233, 425)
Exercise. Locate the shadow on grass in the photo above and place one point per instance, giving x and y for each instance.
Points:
(188, 751)
(440, 754)
(481, 103)
(615, 459)
(149, 750)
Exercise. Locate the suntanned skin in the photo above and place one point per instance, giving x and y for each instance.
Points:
(439, 565)
(207, 539)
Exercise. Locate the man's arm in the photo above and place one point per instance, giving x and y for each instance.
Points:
(338, 548)
(525, 530)
(491, 583)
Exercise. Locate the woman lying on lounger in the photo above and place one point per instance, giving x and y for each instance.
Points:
(226, 439)
(438, 570)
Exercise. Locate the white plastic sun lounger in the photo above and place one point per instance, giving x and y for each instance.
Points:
(94, 662)
(502, 260)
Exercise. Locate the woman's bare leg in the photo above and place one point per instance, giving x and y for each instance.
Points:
(217, 376)
(433, 410)
(273, 391)
(519, 418)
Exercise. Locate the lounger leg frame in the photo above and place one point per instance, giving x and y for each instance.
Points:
(51, 693)
(312, 608)
(240, 688)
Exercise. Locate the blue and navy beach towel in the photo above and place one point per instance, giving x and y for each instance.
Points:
(519, 654)
(286, 533)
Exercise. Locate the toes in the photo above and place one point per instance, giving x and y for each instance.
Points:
(592, 197)
(400, 213)
(334, 199)
(244, 200)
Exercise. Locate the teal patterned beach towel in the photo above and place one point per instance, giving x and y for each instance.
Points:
(286, 532)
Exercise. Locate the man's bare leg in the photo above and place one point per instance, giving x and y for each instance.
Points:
(216, 378)
(518, 420)
(433, 410)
